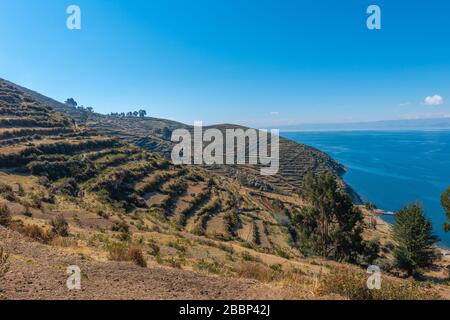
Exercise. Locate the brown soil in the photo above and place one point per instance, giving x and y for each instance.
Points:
(39, 272)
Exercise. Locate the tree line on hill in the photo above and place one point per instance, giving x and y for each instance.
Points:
(139, 113)
(331, 226)
(72, 103)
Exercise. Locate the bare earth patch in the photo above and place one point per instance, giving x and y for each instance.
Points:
(39, 272)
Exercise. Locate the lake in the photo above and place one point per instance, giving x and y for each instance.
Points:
(391, 168)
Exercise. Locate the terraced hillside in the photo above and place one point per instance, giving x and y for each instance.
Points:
(66, 168)
(154, 135)
(68, 187)
(295, 159)
(140, 227)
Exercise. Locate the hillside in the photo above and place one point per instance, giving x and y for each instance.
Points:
(154, 135)
(140, 227)
(104, 174)
(117, 197)
(44, 276)
(295, 159)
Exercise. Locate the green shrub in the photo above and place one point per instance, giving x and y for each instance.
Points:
(120, 226)
(154, 249)
(413, 233)
(282, 252)
(103, 214)
(178, 187)
(213, 267)
(20, 190)
(36, 200)
(124, 236)
(60, 226)
(178, 245)
(7, 192)
(5, 215)
(277, 268)
(27, 211)
(172, 261)
(389, 245)
(370, 206)
(175, 262)
(231, 220)
(384, 264)
(248, 257)
(152, 184)
(370, 251)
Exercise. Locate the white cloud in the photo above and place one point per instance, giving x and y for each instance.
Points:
(435, 100)
(274, 113)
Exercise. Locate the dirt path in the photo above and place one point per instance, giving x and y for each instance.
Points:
(39, 272)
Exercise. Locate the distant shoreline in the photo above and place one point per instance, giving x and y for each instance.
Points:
(365, 130)
(387, 213)
(390, 168)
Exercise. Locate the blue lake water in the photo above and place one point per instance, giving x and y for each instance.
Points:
(391, 168)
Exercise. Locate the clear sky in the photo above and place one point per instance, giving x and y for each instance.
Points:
(253, 62)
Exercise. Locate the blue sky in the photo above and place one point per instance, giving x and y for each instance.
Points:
(254, 62)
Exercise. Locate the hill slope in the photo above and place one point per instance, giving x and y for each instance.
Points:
(81, 169)
(44, 279)
(154, 135)
(123, 204)
(117, 197)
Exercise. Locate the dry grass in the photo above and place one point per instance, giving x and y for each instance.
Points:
(35, 232)
(254, 270)
(135, 254)
(211, 267)
(248, 257)
(352, 284)
(177, 261)
(4, 263)
(121, 252)
(300, 284)
(63, 242)
(338, 282)
(4, 268)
